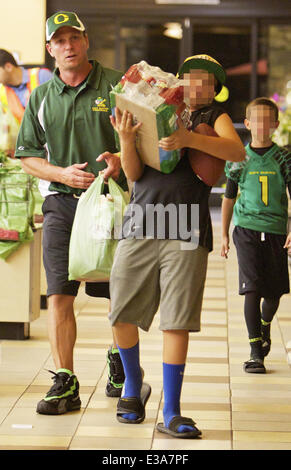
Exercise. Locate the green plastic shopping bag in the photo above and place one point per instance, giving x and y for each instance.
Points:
(96, 226)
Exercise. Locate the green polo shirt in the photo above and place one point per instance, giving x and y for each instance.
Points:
(68, 125)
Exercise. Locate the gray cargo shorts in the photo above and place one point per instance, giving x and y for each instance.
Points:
(149, 273)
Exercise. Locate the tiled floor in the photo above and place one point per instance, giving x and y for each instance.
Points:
(234, 410)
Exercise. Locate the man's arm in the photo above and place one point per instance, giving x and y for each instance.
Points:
(227, 146)
(73, 176)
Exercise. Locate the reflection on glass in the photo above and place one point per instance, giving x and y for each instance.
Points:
(230, 45)
(157, 44)
(102, 43)
(279, 40)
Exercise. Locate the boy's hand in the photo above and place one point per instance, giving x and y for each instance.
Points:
(123, 124)
(288, 243)
(177, 140)
(113, 165)
(225, 246)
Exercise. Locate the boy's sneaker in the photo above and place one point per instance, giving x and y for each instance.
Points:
(116, 375)
(63, 396)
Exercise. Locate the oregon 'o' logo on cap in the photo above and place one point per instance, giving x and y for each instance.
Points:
(61, 18)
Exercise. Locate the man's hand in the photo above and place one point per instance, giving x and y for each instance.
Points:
(177, 140)
(113, 165)
(76, 177)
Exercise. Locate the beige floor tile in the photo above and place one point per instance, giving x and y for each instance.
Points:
(238, 445)
(254, 416)
(22, 441)
(269, 426)
(105, 443)
(116, 431)
(41, 425)
(171, 443)
(254, 436)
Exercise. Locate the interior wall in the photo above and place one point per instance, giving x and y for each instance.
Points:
(22, 29)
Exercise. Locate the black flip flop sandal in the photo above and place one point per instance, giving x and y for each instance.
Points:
(255, 366)
(134, 405)
(174, 425)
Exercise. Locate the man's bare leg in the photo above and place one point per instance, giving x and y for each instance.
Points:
(62, 330)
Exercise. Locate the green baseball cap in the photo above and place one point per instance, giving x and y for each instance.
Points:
(204, 62)
(60, 19)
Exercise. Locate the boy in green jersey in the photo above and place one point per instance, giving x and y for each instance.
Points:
(260, 219)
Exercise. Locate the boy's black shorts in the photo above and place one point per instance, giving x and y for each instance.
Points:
(263, 262)
(59, 211)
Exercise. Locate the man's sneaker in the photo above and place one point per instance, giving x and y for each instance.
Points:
(62, 397)
(116, 375)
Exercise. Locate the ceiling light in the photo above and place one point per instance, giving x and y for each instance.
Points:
(173, 30)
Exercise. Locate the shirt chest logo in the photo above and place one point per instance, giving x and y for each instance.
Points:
(100, 105)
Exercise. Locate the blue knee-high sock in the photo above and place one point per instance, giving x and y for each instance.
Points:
(132, 372)
(173, 380)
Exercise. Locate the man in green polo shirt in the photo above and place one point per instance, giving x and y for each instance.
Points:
(65, 128)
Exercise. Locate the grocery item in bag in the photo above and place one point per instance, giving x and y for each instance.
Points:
(155, 98)
(94, 237)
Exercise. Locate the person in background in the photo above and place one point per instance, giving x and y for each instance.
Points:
(16, 85)
(65, 127)
(260, 233)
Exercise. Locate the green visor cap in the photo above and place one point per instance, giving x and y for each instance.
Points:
(60, 19)
(203, 62)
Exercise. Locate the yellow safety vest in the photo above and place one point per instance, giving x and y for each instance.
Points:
(10, 100)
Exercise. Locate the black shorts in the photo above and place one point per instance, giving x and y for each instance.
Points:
(263, 262)
(59, 211)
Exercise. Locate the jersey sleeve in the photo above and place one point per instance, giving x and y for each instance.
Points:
(31, 138)
(284, 160)
(233, 170)
(231, 189)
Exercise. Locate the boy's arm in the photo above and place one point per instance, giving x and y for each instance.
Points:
(227, 146)
(288, 239)
(130, 161)
(288, 243)
(226, 216)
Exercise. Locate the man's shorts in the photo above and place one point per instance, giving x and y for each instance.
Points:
(263, 262)
(150, 272)
(59, 211)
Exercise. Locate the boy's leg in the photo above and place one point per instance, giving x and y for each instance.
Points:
(174, 360)
(252, 314)
(269, 308)
(127, 339)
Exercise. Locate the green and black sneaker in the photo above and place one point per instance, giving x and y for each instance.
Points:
(116, 375)
(63, 395)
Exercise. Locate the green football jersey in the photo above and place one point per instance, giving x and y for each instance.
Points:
(262, 179)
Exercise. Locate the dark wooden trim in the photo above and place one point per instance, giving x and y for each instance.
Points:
(14, 330)
(254, 59)
(129, 8)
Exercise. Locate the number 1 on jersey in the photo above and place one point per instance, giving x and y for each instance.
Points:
(264, 189)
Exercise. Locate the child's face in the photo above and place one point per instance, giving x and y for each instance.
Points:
(198, 88)
(262, 122)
